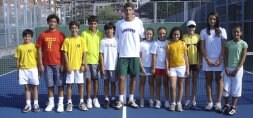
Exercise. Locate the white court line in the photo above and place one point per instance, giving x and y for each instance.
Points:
(124, 112)
(248, 72)
(7, 73)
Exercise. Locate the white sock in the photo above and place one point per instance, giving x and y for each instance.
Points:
(70, 101)
(81, 100)
(28, 102)
(106, 98)
(36, 102)
(61, 100)
(121, 98)
(178, 103)
(51, 100)
(131, 97)
(113, 98)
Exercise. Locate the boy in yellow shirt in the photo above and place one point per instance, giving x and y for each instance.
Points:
(92, 38)
(26, 61)
(74, 49)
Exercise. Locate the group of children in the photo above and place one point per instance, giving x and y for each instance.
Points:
(73, 59)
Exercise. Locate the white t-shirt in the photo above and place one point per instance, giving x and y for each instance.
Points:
(128, 34)
(159, 48)
(109, 49)
(146, 53)
(212, 42)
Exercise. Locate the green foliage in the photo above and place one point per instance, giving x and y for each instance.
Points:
(107, 13)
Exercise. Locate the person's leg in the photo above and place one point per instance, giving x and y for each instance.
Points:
(142, 85)
(95, 87)
(28, 98)
(219, 82)
(106, 89)
(151, 86)
(132, 87)
(69, 93)
(180, 83)
(157, 87)
(187, 89)
(166, 90)
(173, 86)
(209, 76)
(195, 75)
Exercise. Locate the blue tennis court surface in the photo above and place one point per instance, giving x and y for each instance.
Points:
(12, 100)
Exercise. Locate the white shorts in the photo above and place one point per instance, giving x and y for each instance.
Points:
(206, 67)
(232, 85)
(178, 71)
(28, 76)
(74, 77)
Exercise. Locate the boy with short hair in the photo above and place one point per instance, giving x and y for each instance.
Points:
(26, 61)
(128, 33)
(92, 38)
(74, 50)
(50, 61)
(108, 61)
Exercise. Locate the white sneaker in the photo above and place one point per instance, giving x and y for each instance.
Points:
(217, 106)
(142, 103)
(89, 103)
(173, 107)
(158, 104)
(166, 104)
(209, 106)
(69, 107)
(96, 103)
(151, 103)
(179, 107)
(60, 108)
(50, 107)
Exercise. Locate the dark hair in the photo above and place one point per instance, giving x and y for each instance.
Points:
(27, 32)
(52, 16)
(149, 29)
(216, 26)
(176, 29)
(237, 26)
(92, 18)
(76, 23)
(109, 26)
(128, 4)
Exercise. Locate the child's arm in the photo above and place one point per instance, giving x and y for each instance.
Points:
(204, 54)
(40, 62)
(65, 54)
(218, 62)
(101, 58)
(167, 61)
(153, 63)
(141, 65)
(187, 73)
(83, 65)
(226, 61)
(242, 60)
(17, 66)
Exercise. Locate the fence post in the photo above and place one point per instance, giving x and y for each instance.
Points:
(155, 12)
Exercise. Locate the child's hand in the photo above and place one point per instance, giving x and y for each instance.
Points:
(62, 69)
(234, 73)
(187, 73)
(153, 71)
(68, 69)
(210, 63)
(217, 63)
(168, 72)
(41, 68)
(143, 71)
(227, 72)
(82, 69)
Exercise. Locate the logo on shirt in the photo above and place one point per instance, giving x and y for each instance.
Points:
(78, 45)
(49, 41)
(29, 50)
(128, 30)
(109, 45)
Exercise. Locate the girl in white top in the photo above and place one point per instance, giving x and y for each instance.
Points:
(212, 48)
(145, 64)
(159, 66)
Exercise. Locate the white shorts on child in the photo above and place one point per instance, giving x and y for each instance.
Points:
(232, 85)
(178, 71)
(28, 76)
(74, 77)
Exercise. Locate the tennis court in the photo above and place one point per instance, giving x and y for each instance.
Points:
(12, 99)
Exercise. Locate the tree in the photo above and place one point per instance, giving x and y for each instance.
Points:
(107, 14)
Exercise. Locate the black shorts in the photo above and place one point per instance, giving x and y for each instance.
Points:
(194, 67)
